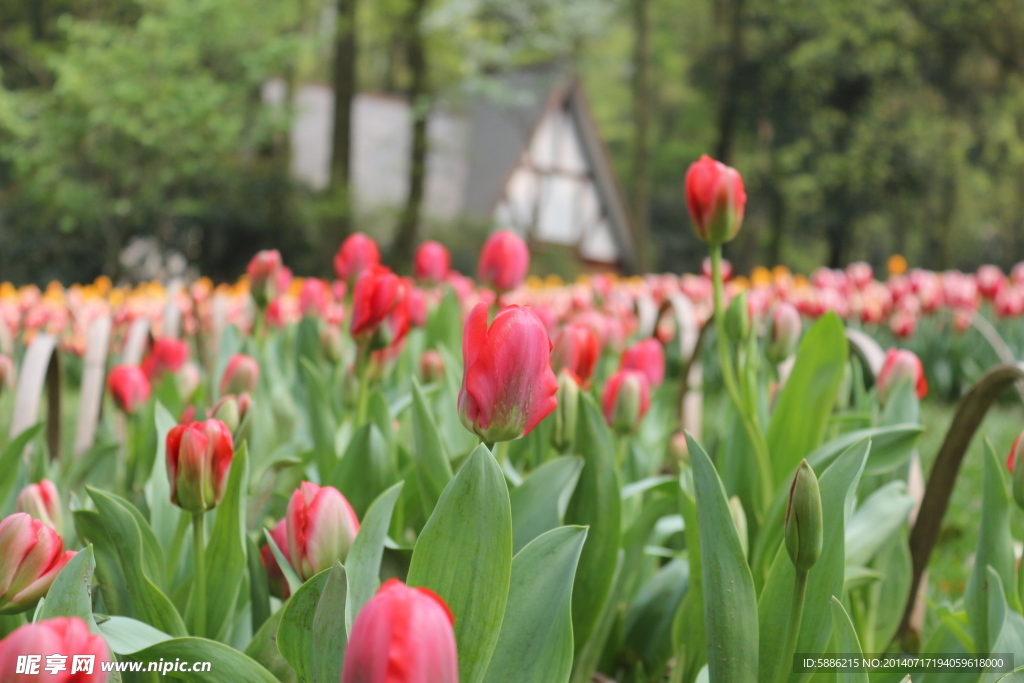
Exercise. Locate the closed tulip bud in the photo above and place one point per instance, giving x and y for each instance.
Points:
(331, 343)
(783, 333)
(187, 380)
(198, 458)
(380, 316)
(576, 348)
(42, 502)
(1015, 463)
(275, 577)
(264, 273)
(357, 253)
(65, 637)
(648, 357)
(7, 372)
(431, 366)
(679, 449)
(242, 374)
(803, 519)
(432, 262)
(231, 410)
(627, 396)
(508, 385)
(901, 366)
(167, 355)
(737, 319)
(31, 556)
(129, 387)
(504, 261)
(716, 200)
(321, 527)
(567, 411)
(402, 635)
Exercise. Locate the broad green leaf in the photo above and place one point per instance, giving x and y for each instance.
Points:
(889, 596)
(380, 415)
(730, 604)
(803, 406)
(263, 649)
(11, 463)
(536, 644)
(363, 561)
(163, 514)
(365, 471)
(880, 516)
(322, 424)
(225, 550)
(126, 636)
(295, 637)
(648, 623)
(70, 594)
(330, 634)
(688, 626)
(464, 554)
(1005, 626)
(539, 503)
(227, 665)
(845, 642)
(433, 464)
(259, 590)
(890, 445)
(595, 503)
(110, 581)
(444, 326)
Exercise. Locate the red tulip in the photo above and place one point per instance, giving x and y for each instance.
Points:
(648, 357)
(167, 355)
(321, 527)
(275, 577)
(314, 297)
(508, 385)
(626, 399)
(716, 200)
(129, 387)
(416, 303)
(402, 635)
(198, 458)
(31, 556)
(900, 365)
(58, 650)
(241, 375)
(432, 262)
(357, 253)
(504, 261)
(42, 502)
(380, 316)
(576, 349)
(265, 272)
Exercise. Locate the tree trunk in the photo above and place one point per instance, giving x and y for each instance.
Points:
(345, 55)
(640, 189)
(729, 17)
(419, 108)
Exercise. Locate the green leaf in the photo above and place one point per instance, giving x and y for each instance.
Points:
(330, 633)
(433, 464)
(464, 554)
(127, 636)
(11, 462)
(70, 594)
(648, 623)
(846, 641)
(803, 406)
(295, 637)
(110, 581)
(163, 514)
(225, 551)
(363, 561)
(227, 665)
(536, 644)
(263, 649)
(322, 424)
(290, 577)
(730, 605)
(365, 470)
(890, 446)
(1006, 625)
(540, 502)
(595, 503)
(880, 516)
(259, 590)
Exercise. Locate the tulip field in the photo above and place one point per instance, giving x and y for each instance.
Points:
(508, 479)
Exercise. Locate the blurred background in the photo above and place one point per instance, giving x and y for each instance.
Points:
(148, 138)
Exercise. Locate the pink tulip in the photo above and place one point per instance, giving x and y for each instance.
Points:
(198, 458)
(903, 324)
(504, 261)
(275, 577)
(990, 281)
(626, 399)
(357, 253)
(265, 272)
(42, 502)
(576, 348)
(1017, 274)
(314, 297)
(860, 274)
(508, 386)
(129, 387)
(705, 269)
(716, 200)
(784, 333)
(241, 375)
(432, 262)
(431, 366)
(31, 556)
(7, 370)
(78, 655)
(321, 527)
(402, 635)
(901, 365)
(647, 356)
(167, 355)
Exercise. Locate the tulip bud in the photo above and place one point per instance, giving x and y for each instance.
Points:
(275, 577)
(504, 261)
(627, 396)
(648, 357)
(31, 556)
(900, 366)
(7, 371)
(231, 410)
(198, 458)
(241, 375)
(803, 519)
(167, 355)
(356, 254)
(576, 348)
(716, 200)
(432, 262)
(737, 319)
(1015, 463)
(42, 502)
(331, 343)
(321, 527)
(567, 410)
(264, 273)
(402, 635)
(784, 333)
(679, 449)
(431, 366)
(380, 316)
(508, 386)
(67, 638)
(129, 387)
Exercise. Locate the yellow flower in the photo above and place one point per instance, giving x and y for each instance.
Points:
(760, 276)
(897, 265)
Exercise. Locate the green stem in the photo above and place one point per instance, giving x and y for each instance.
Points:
(177, 543)
(363, 403)
(754, 433)
(500, 451)
(199, 576)
(796, 614)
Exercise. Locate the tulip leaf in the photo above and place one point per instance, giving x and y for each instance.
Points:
(878, 518)
(539, 503)
(263, 648)
(126, 636)
(595, 503)
(845, 642)
(890, 446)
(460, 440)
(163, 514)
(365, 470)
(1006, 625)
(70, 594)
(805, 402)
(110, 582)
(363, 561)
(11, 463)
(380, 415)
(322, 424)
(226, 665)
(295, 637)
(838, 485)
(730, 604)
(290, 577)
(536, 644)
(464, 554)
(259, 590)
(433, 464)
(225, 550)
(330, 633)
(151, 605)
(444, 326)
(648, 622)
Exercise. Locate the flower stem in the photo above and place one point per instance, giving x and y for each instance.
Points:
(362, 404)
(199, 576)
(796, 614)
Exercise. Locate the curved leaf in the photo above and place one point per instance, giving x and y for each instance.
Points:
(127, 636)
(539, 503)
(365, 470)
(433, 465)
(363, 561)
(70, 594)
(846, 642)
(226, 665)
(225, 551)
